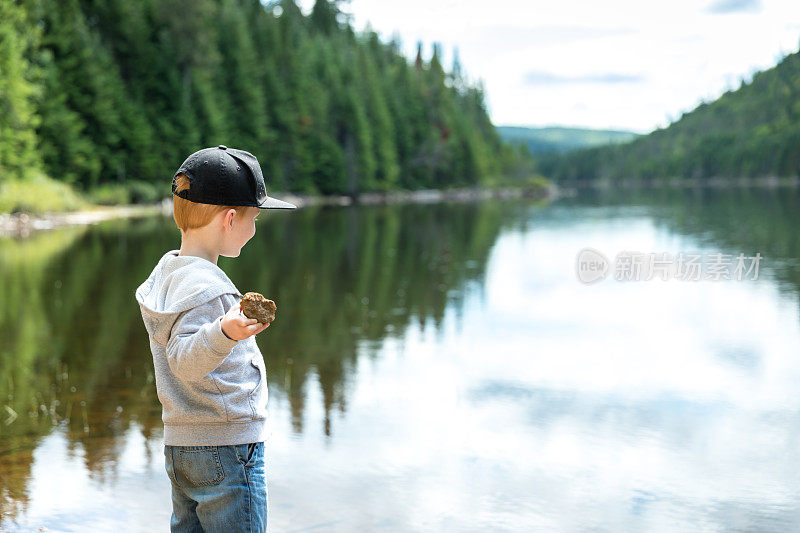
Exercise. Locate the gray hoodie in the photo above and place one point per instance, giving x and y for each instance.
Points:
(213, 389)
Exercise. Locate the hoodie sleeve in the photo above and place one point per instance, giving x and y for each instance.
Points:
(197, 344)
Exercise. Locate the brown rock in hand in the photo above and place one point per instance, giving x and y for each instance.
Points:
(254, 305)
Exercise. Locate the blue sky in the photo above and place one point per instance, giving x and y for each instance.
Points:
(619, 64)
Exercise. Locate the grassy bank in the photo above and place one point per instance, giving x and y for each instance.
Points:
(41, 194)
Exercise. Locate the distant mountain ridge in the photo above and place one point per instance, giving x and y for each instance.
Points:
(751, 132)
(561, 139)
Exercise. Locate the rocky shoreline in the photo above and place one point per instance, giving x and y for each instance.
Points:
(21, 225)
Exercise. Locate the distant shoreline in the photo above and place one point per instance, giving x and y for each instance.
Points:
(658, 183)
(24, 224)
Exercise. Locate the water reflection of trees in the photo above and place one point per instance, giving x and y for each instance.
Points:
(733, 220)
(74, 355)
(349, 278)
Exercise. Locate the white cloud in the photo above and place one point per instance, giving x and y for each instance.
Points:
(674, 54)
(535, 77)
(734, 6)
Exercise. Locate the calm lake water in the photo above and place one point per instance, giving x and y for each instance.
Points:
(433, 368)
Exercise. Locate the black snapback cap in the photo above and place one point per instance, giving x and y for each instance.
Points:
(226, 176)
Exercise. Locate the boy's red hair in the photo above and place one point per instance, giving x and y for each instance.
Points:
(191, 215)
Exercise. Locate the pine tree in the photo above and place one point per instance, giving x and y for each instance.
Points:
(18, 118)
(243, 84)
(377, 115)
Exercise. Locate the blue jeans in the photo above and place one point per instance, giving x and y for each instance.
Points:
(217, 488)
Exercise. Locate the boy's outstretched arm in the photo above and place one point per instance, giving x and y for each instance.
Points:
(198, 343)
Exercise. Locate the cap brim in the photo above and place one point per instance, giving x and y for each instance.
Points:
(274, 203)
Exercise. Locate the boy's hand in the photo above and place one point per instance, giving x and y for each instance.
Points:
(238, 327)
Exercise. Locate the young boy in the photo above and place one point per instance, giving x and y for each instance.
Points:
(210, 374)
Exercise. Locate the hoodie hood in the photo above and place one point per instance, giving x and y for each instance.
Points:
(176, 284)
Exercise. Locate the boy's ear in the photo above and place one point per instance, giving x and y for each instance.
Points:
(228, 217)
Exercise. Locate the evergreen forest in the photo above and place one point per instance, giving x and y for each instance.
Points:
(98, 93)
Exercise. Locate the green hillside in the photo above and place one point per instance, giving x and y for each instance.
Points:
(113, 93)
(753, 131)
(560, 139)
